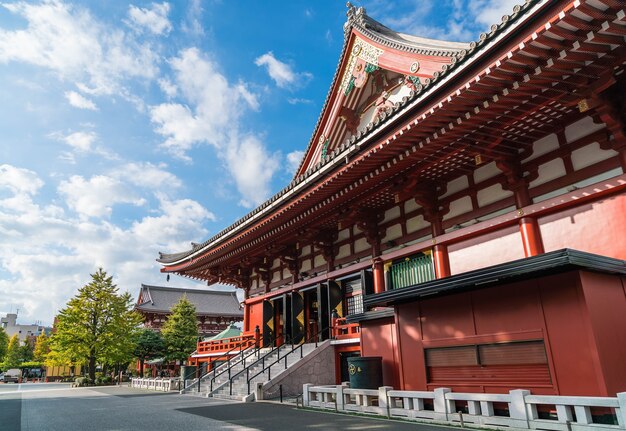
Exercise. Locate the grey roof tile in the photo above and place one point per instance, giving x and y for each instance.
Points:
(207, 302)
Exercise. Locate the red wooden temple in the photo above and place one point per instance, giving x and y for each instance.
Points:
(459, 211)
(215, 310)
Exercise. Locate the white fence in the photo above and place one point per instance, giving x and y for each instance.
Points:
(164, 385)
(481, 410)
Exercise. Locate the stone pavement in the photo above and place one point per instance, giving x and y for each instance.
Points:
(122, 408)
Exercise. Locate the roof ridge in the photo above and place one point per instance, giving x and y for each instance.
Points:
(186, 289)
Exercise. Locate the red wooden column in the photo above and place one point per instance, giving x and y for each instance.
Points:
(528, 226)
(441, 259)
(379, 275)
(531, 236)
(246, 310)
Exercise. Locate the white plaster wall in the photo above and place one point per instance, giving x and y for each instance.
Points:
(344, 251)
(456, 185)
(458, 207)
(416, 223)
(343, 234)
(410, 205)
(361, 245)
(393, 232)
(548, 172)
(544, 146)
(498, 247)
(590, 155)
(306, 265)
(391, 213)
(492, 194)
(485, 172)
(581, 128)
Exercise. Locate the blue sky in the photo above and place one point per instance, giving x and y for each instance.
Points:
(132, 128)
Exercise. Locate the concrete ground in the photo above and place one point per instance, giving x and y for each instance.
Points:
(50, 407)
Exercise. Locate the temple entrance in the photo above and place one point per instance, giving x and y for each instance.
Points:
(277, 321)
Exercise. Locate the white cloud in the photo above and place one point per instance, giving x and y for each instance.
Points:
(167, 87)
(192, 24)
(19, 181)
(80, 141)
(43, 246)
(148, 176)
(299, 101)
(466, 19)
(154, 19)
(209, 113)
(488, 12)
(293, 160)
(252, 167)
(79, 101)
(96, 196)
(70, 42)
(282, 73)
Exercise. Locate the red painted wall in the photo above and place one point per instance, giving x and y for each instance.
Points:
(255, 316)
(497, 247)
(598, 227)
(378, 338)
(581, 317)
(606, 308)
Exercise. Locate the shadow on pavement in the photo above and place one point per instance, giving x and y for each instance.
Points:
(111, 391)
(11, 412)
(276, 417)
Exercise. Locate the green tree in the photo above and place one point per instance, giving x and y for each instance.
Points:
(180, 331)
(97, 325)
(14, 353)
(42, 348)
(4, 344)
(148, 345)
(26, 351)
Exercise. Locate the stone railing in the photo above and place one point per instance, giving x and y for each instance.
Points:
(163, 385)
(517, 409)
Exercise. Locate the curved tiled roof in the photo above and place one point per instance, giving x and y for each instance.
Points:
(358, 19)
(207, 302)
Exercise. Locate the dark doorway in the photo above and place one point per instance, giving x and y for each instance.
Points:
(343, 363)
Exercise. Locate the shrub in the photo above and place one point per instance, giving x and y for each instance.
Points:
(80, 381)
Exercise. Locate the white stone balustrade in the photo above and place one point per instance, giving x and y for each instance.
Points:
(163, 385)
(440, 405)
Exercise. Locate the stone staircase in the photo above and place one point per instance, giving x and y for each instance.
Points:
(221, 374)
(241, 372)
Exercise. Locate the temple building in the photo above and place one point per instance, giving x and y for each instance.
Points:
(215, 310)
(460, 210)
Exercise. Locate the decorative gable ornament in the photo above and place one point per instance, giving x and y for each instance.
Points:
(363, 61)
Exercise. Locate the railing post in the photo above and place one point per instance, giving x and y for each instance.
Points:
(517, 408)
(621, 414)
(441, 403)
(383, 399)
(305, 394)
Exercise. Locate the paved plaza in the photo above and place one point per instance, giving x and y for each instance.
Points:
(50, 407)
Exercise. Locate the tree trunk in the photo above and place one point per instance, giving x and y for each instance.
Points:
(141, 360)
(92, 365)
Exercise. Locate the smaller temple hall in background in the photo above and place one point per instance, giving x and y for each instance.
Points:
(215, 310)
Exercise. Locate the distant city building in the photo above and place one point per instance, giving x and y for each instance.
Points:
(215, 310)
(11, 327)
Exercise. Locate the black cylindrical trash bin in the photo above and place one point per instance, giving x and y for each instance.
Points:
(366, 372)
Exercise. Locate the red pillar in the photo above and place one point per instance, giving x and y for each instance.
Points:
(441, 260)
(531, 236)
(379, 276)
(246, 317)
